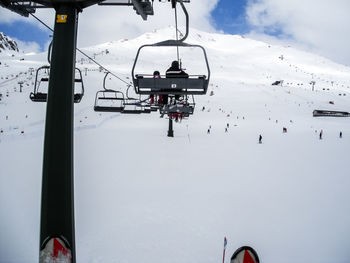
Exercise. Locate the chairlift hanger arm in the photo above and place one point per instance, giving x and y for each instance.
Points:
(26, 7)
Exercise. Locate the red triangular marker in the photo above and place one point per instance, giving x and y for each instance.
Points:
(58, 247)
(248, 258)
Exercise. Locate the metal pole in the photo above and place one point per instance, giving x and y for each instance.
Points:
(170, 130)
(57, 234)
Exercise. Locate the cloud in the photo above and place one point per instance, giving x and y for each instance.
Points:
(320, 25)
(27, 47)
(99, 24)
(6, 16)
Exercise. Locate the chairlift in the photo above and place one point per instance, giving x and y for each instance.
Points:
(109, 100)
(132, 106)
(183, 108)
(42, 78)
(180, 85)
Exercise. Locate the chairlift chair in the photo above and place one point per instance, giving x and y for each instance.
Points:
(191, 85)
(42, 76)
(185, 108)
(109, 101)
(132, 106)
(40, 93)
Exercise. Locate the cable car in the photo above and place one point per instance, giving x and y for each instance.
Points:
(42, 84)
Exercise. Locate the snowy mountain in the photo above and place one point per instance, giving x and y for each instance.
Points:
(6, 43)
(140, 194)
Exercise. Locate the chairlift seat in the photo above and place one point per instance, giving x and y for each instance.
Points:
(42, 97)
(154, 108)
(193, 85)
(329, 113)
(187, 85)
(106, 96)
(132, 111)
(108, 109)
(39, 96)
(186, 109)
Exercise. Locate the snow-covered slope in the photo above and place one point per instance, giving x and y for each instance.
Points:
(142, 195)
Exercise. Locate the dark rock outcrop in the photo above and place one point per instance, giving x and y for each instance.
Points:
(7, 43)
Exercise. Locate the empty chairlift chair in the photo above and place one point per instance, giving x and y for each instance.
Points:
(109, 100)
(42, 83)
(132, 106)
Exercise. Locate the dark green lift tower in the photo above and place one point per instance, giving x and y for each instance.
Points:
(57, 235)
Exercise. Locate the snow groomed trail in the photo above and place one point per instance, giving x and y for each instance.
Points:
(139, 193)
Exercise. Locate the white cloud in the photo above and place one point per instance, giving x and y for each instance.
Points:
(99, 24)
(27, 47)
(6, 16)
(321, 25)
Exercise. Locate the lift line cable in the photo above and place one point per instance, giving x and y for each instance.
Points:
(177, 37)
(128, 84)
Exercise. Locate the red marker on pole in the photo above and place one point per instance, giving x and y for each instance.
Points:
(225, 244)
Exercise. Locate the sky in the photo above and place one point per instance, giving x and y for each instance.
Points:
(318, 26)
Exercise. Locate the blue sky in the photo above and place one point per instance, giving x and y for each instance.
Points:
(25, 32)
(228, 16)
(319, 26)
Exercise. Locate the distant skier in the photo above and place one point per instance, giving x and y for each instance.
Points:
(321, 134)
(227, 125)
(226, 130)
(284, 130)
(260, 139)
(341, 135)
(208, 132)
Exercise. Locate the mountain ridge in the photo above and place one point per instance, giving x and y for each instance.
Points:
(7, 44)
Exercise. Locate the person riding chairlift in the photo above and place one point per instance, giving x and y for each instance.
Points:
(175, 71)
(156, 75)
